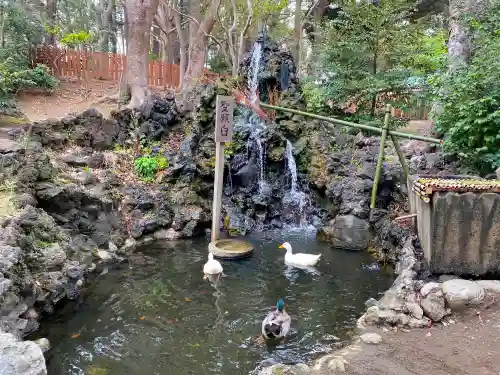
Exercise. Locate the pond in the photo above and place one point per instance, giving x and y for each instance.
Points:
(157, 315)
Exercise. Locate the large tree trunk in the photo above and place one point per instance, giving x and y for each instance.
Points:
(183, 47)
(459, 43)
(198, 48)
(139, 15)
(51, 15)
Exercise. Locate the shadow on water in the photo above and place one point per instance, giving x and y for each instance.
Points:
(157, 315)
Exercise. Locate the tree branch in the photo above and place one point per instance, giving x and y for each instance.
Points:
(196, 21)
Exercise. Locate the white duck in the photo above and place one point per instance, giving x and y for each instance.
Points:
(212, 267)
(299, 259)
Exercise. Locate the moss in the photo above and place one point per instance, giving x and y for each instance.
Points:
(94, 370)
(42, 244)
(277, 154)
(8, 121)
(233, 232)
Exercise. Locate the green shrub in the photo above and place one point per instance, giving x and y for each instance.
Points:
(13, 78)
(147, 166)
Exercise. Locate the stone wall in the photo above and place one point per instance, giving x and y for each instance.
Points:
(459, 232)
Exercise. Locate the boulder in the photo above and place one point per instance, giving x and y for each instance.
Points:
(492, 286)
(432, 302)
(348, 232)
(20, 357)
(371, 338)
(167, 234)
(460, 293)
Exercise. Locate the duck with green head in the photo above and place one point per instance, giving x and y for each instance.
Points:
(277, 323)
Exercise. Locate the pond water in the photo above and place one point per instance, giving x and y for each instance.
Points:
(159, 316)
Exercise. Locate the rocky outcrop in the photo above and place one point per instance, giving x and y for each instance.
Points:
(37, 270)
(20, 357)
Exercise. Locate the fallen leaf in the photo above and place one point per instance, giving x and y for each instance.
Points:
(187, 299)
(142, 317)
(75, 335)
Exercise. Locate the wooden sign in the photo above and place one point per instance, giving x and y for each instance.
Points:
(224, 119)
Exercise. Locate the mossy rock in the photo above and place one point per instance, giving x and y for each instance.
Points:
(12, 121)
(276, 154)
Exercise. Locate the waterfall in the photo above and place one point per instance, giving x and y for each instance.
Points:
(298, 198)
(262, 160)
(253, 78)
(292, 166)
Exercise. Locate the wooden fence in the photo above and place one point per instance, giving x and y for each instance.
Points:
(86, 65)
(101, 65)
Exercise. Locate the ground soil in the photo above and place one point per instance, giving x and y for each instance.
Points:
(73, 96)
(468, 344)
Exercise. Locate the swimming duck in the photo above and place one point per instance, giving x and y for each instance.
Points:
(277, 323)
(299, 259)
(212, 267)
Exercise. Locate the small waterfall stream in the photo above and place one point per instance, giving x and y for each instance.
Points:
(297, 197)
(253, 79)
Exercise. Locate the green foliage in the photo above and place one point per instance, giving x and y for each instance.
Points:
(229, 150)
(368, 53)
(22, 29)
(73, 40)
(14, 77)
(147, 166)
(470, 98)
(264, 8)
(153, 56)
(218, 64)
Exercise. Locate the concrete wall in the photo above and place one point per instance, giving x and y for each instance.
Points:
(459, 232)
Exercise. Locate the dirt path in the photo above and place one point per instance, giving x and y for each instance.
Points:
(69, 97)
(467, 345)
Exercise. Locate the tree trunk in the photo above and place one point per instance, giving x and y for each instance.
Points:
(51, 14)
(183, 48)
(297, 33)
(139, 15)
(198, 48)
(2, 25)
(458, 43)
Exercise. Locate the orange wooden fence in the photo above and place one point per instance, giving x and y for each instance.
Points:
(101, 65)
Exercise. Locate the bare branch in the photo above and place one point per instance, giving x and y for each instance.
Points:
(194, 20)
(231, 33)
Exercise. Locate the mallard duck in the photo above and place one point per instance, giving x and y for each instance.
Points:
(212, 267)
(299, 259)
(277, 323)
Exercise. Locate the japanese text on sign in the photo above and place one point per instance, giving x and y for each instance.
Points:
(224, 119)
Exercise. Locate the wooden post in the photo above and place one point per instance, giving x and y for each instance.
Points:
(223, 133)
(380, 160)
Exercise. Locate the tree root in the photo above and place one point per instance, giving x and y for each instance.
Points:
(114, 98)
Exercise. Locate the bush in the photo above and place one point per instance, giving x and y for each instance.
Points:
(147, 166)
(470, 99)
(14, 77)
